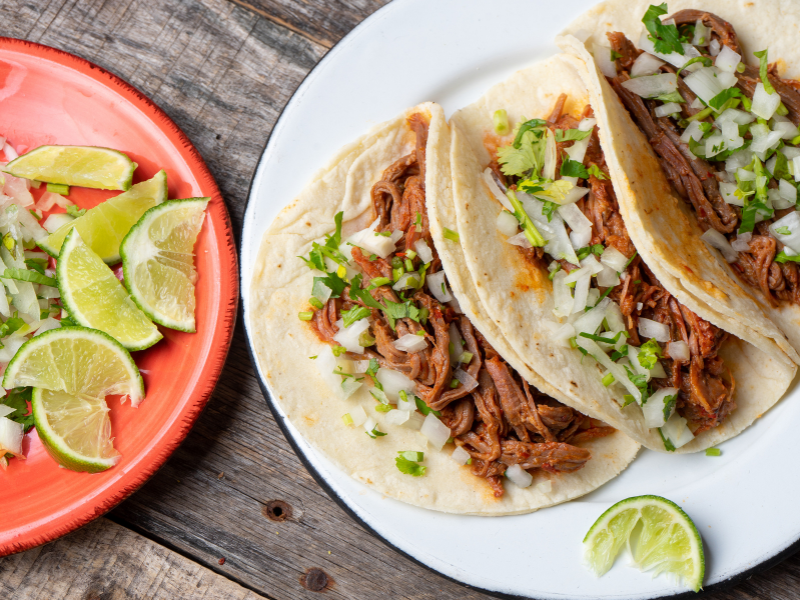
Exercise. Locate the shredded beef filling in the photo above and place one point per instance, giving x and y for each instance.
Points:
(500, 421)
(705, 384)
(694, 179)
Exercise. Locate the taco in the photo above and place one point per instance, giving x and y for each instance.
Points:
(392, 369)
(710, 156)
(558, 267)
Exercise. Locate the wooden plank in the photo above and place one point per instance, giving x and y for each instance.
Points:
(224, 72)
(323, 22)
(105, 560)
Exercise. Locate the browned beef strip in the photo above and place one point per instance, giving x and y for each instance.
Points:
(720, 28)
(459, 416)
(628, 53)
(554, 457)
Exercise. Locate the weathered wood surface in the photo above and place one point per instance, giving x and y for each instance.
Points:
(223, 70)
(107, 561)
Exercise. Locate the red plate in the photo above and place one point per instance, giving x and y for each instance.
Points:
(50, 97)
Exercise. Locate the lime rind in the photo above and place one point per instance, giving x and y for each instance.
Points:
(112, 170)
(171, 301)
(104, 302)
(85, 376)
(660, 536)
(79, 415)
(103, 235)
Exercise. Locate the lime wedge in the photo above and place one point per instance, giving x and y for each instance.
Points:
(77, 361)
(158, 261)
(95, 298)
(84, 166)
(660, 536)
(104, 226)
(75, 430)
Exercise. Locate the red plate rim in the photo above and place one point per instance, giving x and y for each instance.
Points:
(223, 330)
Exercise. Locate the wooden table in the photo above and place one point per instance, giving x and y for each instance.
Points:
(233, 514)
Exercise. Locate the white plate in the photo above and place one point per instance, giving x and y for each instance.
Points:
(450, 51)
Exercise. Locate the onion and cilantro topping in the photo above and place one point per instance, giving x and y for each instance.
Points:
(730, 130)
(571, 224)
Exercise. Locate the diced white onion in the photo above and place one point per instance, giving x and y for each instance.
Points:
(397, 417)
(394, 382)
(792, 223)
(653, 410)
(765, 104)
(614, 320)
(437, 432)
(369, 424)
(670, 108)
(590, 321)
(702, 35)
(577, 151)
(519, 476)
(562, 334)
(406, 405)
(488, 177)
(739, 159)
(715, 144)
(717, 240)
(49, 199)
(460, 455)
(415, 421)
(762, 143)
(424, 251)
(788, 192)
(679, 350)
(725, 79)
(507, 223)
(587, 124)
(550, 156)
(562, 295)
(349, 385)
(581, 293)
(574, 217)
(608, 277)
(467, 380)
(56, 221)
(6, 410)
(593, 297)
(11, 434)
(795, 167)
(633, 355)
(730, 133)
(574, 194)
(602, 56)
(360, 366)
(349, 336)
(437, 287)
(410, 343)
(704, 83)
(367, 239)
(714, 47)
(741, 244)
(676, 430)
(735, 115)
(520, 240)
(653, 329)
(645, 64)
(613, 258)
(651, 86)
(673, 58)
(790, 152)
(580, 239)
(697, 104)
(787, 130)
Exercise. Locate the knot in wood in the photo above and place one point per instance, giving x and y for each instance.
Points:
(277, 510)
(315, 580)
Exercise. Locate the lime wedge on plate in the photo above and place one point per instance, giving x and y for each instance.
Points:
(84, 166)
(104, 226)
(95, 298)
(75, 430)
(76, 360)
(661, 537)
(158, 261)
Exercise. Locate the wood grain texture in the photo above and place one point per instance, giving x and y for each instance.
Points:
(106, 561)
(223, 71)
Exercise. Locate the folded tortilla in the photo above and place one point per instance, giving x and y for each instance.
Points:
(519, 296)
(314, 404)
(665, 225)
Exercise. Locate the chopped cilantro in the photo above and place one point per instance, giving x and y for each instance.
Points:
(424, 408)
(18, 399)
(762, 71)
(566, 135)
(375, 433)
(597, 172)
(669, 403)
(572, 168)
(667, 442)
(409, 467)
(720, 99)
(665, 37)
(354, 314)
(548, 209)
(649, 353)
(74, 211)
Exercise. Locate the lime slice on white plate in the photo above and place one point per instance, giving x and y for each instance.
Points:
(83, 166)
(158, 261)
(76, 360)
(95, 298)
(75, 430)
(104, 226)
(660, 536)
